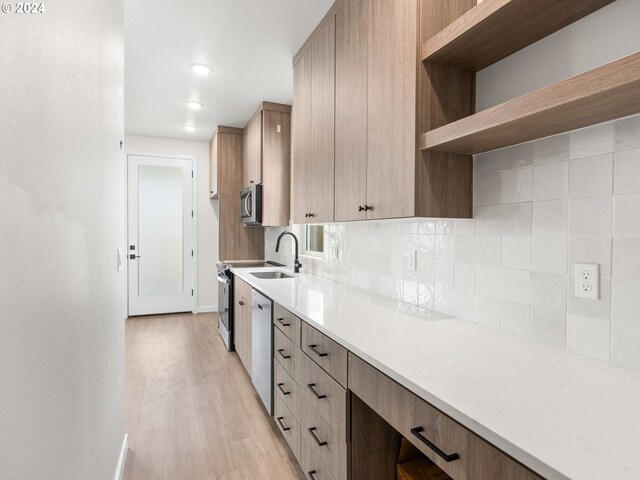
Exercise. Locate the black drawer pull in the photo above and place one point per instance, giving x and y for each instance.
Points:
(318, 441)
(417, 431)
(314, 349)
(281, 388)
(282, 322)
(319, 396)
(282, 354)
(312, 475)
(284, 429)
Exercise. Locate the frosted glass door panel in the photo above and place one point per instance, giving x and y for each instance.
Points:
(160, 230)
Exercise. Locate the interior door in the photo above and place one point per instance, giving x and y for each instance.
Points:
(160, 203)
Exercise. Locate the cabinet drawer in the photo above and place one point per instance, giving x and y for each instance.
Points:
(327, 443)
(433, 432)
(287, 323)
(312, 466)
(324, 394)
(288, 390)
(288, 425)
(325, 352)
(285, 352)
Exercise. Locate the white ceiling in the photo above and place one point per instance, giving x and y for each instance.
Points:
(248, 43)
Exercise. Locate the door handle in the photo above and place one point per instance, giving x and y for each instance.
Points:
(282, 426)
(417, 432)
(312, 430)
(314, 349)
(318, 395)
(281, 388)
(133, 256)
(282, 354)
(282, 322)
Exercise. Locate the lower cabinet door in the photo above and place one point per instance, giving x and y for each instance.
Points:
(287, 425)
(328, 444)
(312, 466)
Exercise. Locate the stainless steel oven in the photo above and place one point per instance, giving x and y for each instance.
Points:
(251, 205)
(225, 300)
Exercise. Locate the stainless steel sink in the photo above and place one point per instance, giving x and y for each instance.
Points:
(271, 275)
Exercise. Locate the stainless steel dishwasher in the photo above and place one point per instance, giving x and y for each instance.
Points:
(262, 349)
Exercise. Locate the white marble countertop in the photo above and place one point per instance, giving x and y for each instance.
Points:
(562, 415)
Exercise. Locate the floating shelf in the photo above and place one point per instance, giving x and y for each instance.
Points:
(605, 93)
(495, 29)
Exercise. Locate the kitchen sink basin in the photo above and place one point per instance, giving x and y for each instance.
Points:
(271, 275)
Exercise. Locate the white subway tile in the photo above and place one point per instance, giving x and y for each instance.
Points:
(464, 249)
(591, 176)
(464, 279)
(465, 226)
(464, 306)
(516, 285)
(588, 336)
(488, 189)
(591, 216)
(444, 227)
(489, 250)
(489, 281)
(488, 219)
(427, 247)
(427, 227)
(489, 162)
(516, 219)
(444, 274)
(549, 290)
(444, 247)
(517, 156)
(551, 181)
(585, 307)
(549, 254)
(516, 252)
(516, 318)
(410, 291)
(550, 217)
(549, 327)
(626, 259)
(625, 345)
(551, 149)
(516, 186)
(591, 250)
(626, 215)
(626, 178)
(488, 311)
(592, 140)
(625, 303)
(444, 300)
(627, 133)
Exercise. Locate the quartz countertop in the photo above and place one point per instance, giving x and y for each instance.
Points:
(563, 415)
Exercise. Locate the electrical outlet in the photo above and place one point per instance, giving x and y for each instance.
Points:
(334, 251)
(412, 260)
(587, 280)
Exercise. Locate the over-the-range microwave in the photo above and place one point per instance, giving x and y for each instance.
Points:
(251, 205)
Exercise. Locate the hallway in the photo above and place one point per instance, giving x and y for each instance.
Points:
(192, 413)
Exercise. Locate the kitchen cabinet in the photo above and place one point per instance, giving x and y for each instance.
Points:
(313, 129)
(235, 241)
(384, 96)
(267, 160)
(242, 321)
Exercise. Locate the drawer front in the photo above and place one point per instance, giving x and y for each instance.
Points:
(312, 466)
(287, 425)
(288, 390)
(434, 433)
(324, 394)
(287, 323)
(285, 352)
(325, 352)
(327, 443)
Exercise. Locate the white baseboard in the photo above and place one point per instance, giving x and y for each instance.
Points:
(123, 458)
(207, 309)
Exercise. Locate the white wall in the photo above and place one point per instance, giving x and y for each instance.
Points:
(62, 300)
(207, 210)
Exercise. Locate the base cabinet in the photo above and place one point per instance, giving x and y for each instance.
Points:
(242, 322)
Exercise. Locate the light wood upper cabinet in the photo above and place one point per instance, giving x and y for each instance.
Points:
(301, 140)
(267, 160)
(351, 110)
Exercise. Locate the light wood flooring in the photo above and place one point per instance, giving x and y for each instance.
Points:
(191, 411)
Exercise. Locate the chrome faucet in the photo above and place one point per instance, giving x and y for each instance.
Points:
(296, 262)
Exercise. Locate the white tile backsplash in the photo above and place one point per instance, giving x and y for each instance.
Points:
(540, 208)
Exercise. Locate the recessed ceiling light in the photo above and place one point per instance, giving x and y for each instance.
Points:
(190, 128)
(195, 105)
(200, 68)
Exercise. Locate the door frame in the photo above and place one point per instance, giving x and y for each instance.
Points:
(194, 223)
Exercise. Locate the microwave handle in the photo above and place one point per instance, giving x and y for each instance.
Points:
(247, 204)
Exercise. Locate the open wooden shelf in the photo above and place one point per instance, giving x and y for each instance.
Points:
(605, 93)
(495, 29)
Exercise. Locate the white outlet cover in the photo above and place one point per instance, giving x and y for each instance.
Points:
(412, 260)
(587, 281)
(334, 251)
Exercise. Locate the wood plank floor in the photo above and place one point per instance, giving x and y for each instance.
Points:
(192, 413)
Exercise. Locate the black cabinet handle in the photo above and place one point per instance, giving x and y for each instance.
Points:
(282, 322)
(241, 303)
(282, 426)
(311, 215)
(368, 207)
(282, 354)
(361, 208)
(259, 307)
(417, 431)
(312, 387)
(318, 441)
(314, 349)
(281, 388)
(312, 475)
